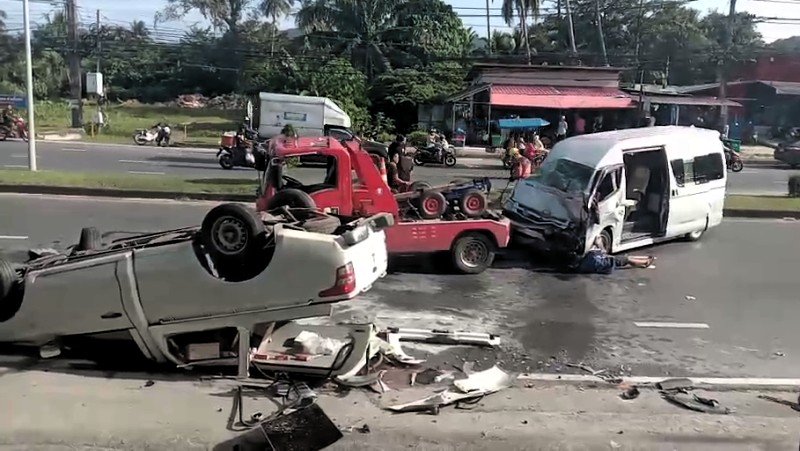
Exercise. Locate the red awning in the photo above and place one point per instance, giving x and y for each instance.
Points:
(557, 97)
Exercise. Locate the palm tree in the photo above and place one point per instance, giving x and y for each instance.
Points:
(139, 30)
(523, 9)
(356, 27)
(275, 9)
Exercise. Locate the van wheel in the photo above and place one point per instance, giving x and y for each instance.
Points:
(605, 241)
(694, 236)
(230, 233)
(473, 253)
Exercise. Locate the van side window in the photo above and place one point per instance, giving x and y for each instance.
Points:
(708, 167)
(608, 185)
(678, 172)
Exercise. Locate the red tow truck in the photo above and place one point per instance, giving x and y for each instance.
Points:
(450, 219)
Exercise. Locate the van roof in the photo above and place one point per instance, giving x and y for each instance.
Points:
(595, 149)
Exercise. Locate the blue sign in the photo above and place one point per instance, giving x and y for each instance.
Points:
(11, 99)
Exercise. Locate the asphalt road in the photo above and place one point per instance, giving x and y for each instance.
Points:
(738, 284)
(83, 157)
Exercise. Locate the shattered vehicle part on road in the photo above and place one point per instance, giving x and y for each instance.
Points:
(236, 272)
(475, 386)
(444, 337)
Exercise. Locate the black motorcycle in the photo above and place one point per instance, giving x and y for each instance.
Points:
(239, 149)
(436, 154)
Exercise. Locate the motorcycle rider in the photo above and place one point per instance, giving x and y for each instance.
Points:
(162, 133)
(8, 117)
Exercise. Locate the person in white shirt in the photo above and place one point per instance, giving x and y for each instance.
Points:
(561, 131)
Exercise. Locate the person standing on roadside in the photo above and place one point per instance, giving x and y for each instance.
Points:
(561, 130)
(580, 125)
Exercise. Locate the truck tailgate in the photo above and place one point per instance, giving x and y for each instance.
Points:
(434, 235)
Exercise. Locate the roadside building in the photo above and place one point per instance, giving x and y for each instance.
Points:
(668, 106)
(499, 91)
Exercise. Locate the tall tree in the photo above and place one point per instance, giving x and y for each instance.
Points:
(225, 15)
(429, 30)
(356, 27)
(522, 9)
(275, 10)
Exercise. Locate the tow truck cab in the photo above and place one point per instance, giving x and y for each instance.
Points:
(352, 186)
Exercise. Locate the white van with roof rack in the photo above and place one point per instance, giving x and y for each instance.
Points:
(631, 187)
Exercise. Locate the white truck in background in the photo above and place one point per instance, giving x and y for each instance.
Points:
(310, 116)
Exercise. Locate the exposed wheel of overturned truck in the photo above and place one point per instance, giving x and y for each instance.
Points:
(8, 277)
(472, 203)
(232, 234)
(472, 253)
(89, 240)
(432, 204)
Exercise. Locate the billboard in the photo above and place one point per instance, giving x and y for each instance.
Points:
(12, 99)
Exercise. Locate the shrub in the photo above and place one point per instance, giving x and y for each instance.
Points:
(417, 138)
(794, 186)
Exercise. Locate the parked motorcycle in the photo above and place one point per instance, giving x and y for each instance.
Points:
(160, 134)
(238, 148)
(436, 154)
(733, 161)
(19, 129)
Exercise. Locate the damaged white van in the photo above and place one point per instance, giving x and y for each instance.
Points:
(631, 187)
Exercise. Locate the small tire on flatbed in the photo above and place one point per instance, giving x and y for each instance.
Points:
(432, 204)
(419, 185)
(472, 203)
(472, 253)
(231, 233)
(89, 240)
(8, 278)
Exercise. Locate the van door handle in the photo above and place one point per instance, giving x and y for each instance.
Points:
(674, 192)
(111, 315)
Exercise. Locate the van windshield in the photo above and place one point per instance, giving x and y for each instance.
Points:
(564, 175)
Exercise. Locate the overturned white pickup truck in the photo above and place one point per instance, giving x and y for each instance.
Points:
(172, 290)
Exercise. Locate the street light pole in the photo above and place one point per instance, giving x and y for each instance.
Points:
(29, 85)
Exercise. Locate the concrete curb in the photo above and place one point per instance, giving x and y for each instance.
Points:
(746, 213)
(120, 193)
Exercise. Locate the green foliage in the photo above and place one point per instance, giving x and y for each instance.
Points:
(794, 186)
(429, 29)
(420, 86)
(417, 138)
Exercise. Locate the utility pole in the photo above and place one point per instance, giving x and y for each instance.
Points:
(723, 66)
(99, 44)
(600, 31)
(26, 13)
(488, 29)
(639, 30)
(571, 30)
(666, 73)
(74, 58)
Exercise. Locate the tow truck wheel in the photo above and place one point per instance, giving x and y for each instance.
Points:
(472, 203)
(8, 277)
(230, 233)
(432, 204)
(472, 253)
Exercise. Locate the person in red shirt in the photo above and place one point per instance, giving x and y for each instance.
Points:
(521, 168)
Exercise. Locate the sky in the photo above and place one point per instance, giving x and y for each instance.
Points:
(125, 11)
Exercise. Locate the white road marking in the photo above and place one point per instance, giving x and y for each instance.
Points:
(15, 166)
(18, 155)
(146, 172)
(13, 237)
(137, 161)
(668, 325)
(73, 149)
(730, 382)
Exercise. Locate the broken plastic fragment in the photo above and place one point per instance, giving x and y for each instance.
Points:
(391, 348)
(490, 380)
(674, 383)
(690, 298)
(631, 393)
(696, 403)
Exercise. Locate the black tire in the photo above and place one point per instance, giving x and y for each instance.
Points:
(449, 160)
(432, 204)
(139, 139)
(606, 238)
(418, 161)
(737, 165)
(321, 224)
(506, 163)
(24, 136)
(472, 253)
(231, 233)
(89, 240)
(694, 236)
(8, 278)
(226, 161)
(472, 203)
(419, 185)
(292, 198)
(794, 165)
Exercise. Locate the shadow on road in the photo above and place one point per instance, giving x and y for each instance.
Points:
(223, 181)
(179, 159)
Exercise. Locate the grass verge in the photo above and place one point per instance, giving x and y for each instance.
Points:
(130, 182)
(765, 203)
(190, 127)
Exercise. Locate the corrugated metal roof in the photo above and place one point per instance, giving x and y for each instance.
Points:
(698, 101)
